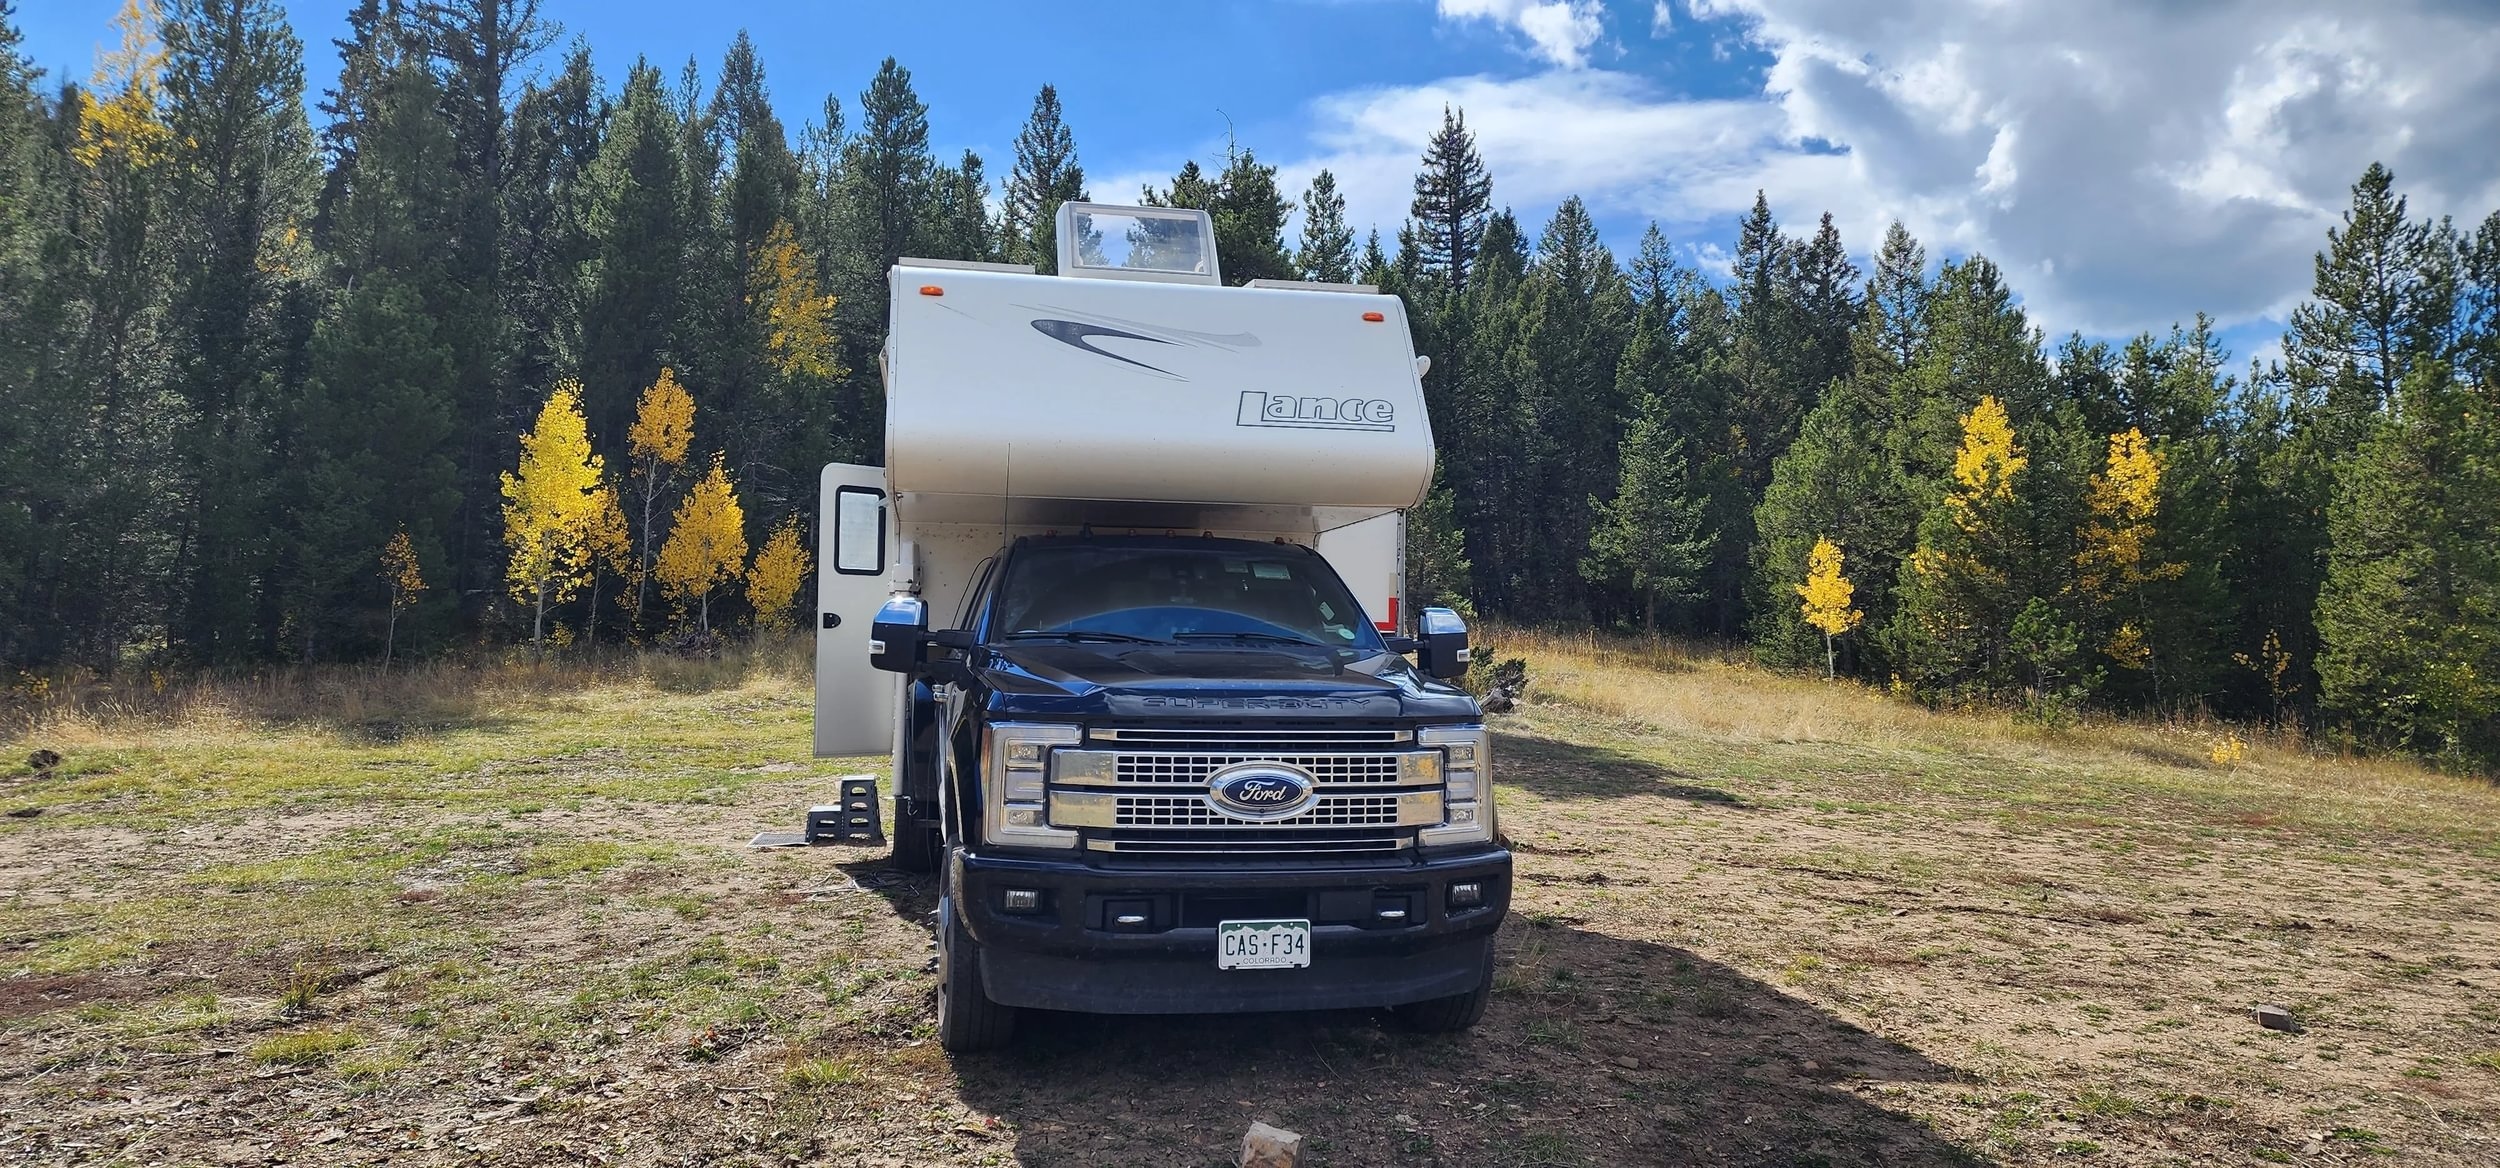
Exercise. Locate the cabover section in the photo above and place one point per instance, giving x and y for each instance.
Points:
(1023, 401)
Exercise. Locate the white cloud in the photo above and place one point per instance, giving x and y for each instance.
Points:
(1661, 18)
(2133, 162)
(1558, 31)
(1609, 137)
(2128, 163)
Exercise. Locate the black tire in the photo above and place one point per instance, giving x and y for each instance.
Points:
(1447, 1015)
(915, 846)
(967, 1020)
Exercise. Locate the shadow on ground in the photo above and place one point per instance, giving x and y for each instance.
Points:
(1574, 770)
(1597, 1050)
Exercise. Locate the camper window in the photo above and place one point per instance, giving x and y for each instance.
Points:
(859, 531)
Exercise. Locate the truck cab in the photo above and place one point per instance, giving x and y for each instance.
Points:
(1123, 606)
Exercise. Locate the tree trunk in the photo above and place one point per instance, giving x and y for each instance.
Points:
(390, 634)
(1830, 659)
(538, 627)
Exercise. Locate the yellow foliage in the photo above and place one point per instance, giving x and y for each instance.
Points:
(663, 425)
(773, 583)
(798, 315)
(2128, 647)
(605, 541)
(2228, 750)
(1827, 593)
(549, 504)
(2122, 501)
(399, 567)
(1985, 465)
(707, 542)
(126, 124)
(2273, 665)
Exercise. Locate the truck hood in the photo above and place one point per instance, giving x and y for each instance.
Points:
(1155, 682)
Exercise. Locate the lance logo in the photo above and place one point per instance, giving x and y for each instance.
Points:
(1315, 413)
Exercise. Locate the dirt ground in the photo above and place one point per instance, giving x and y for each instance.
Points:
(537, 936)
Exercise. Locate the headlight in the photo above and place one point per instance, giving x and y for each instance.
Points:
(1467, 759)
(1015, 773)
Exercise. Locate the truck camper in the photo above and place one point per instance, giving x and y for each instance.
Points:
(1125, 604)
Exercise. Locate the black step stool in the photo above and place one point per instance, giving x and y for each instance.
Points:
(853, 820)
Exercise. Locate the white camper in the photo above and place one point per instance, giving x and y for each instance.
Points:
(1158, 522)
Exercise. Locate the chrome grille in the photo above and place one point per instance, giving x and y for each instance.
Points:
(1324, 769)
(1192, 811)
(1237, 846)
(1160, 812)
(1311, 739)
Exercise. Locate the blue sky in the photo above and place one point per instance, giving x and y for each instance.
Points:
(2129, 162)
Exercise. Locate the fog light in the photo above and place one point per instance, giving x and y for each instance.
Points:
(1466, 894)
(1022, 900)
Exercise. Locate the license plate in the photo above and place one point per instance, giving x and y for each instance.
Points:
(1262, 944)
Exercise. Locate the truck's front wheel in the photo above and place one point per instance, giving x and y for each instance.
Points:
(967, 1020)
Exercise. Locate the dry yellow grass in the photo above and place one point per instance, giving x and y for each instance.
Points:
(1718, 697)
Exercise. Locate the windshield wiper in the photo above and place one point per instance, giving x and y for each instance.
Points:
(1083, 635)
(1264, 638)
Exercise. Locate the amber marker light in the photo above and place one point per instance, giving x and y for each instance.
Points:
(1375, 317)
(932, 290)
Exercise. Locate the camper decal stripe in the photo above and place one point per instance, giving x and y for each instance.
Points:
(1078, 334)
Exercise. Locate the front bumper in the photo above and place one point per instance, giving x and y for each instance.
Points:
(1381, 935)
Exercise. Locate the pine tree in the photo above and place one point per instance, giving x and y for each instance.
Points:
(1437, 570)
(2384, 300)
(1250, 214)
(556, 131)
(707, 544)
(1327, 252)
(110, 509)
(1961, 592)
(1453, 203)
(889, 167)
(550, 505)
(639, 238)
(1825, 597)
(1045, 174)
(2410, 609)
(1648, 536)
(773, 583)
(241, 182)
(377, 424)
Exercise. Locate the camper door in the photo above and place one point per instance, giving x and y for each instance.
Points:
(855, 556)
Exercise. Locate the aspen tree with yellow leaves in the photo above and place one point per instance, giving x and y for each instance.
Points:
(1959, 592)
(707, 544)
(2115, 562)
(126, 123)
(550, 506)
(780, 568)
(609, 548)
(402, 573)
(1826, 595)
(663, 428)
(797, 314)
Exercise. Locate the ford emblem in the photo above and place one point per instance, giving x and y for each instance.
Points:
(1261, 790)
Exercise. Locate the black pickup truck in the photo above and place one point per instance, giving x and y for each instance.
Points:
(1185, 775)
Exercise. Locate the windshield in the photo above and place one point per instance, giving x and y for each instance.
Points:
(1238, 595)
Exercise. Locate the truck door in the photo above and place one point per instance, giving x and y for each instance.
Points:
(855, 554)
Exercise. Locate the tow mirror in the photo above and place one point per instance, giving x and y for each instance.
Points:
(899, 640)
(1443, 653)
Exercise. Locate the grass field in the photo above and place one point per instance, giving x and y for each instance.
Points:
(507, 916)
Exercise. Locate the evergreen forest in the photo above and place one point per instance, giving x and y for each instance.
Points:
(495, 344)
